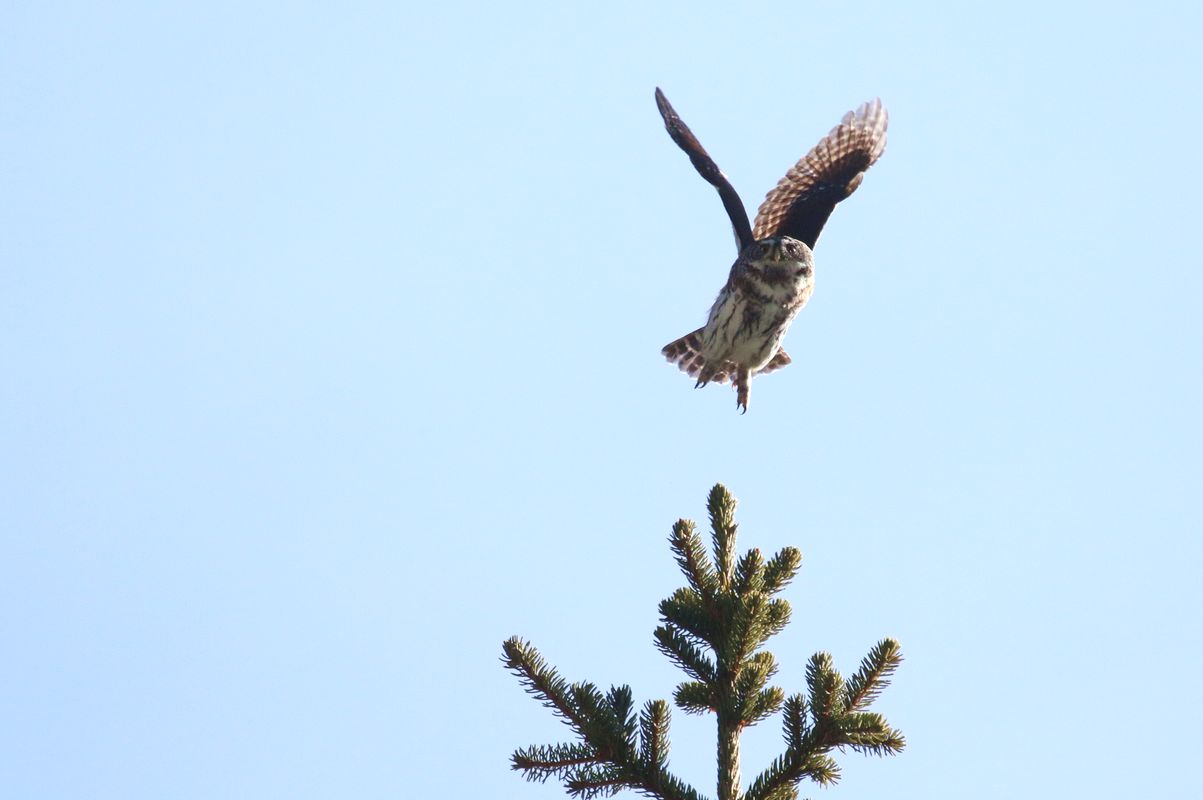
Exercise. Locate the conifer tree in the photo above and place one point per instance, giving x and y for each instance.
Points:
(713, 630)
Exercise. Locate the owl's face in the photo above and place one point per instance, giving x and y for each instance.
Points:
(776, 249)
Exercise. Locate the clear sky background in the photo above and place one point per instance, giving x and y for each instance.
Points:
(330, 359)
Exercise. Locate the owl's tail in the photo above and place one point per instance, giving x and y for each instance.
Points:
(686, 353)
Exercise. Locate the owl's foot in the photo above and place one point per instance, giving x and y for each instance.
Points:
(743, 382)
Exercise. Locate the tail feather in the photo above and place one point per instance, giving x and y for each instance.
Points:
(776, 362)
(686, 353)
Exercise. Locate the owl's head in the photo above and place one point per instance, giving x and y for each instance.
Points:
(780, 248)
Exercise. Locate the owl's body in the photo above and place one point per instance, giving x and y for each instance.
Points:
(773, 276)
(769, 284)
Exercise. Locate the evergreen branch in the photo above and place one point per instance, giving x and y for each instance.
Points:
(786, 792)
(749, 573)
(620, 704)
(826, 688)
(599, 727)
(754, 674)
(684, 653)
(595, 782)
(694, 697)
(806, 748)
(540, 680)
(619, 700)
(761, 705)
(803, 746)
(748, 623)
(646, 778)
(587, 699)
(789, 769)
(776, 617)
(609, 726)
(660, 783)
(754, 622)
(775, 777)
(873, 675)
(691, 557)
(540, 762)
(794, 725)
(653, 733)
(869, 733)
(781, 569)
(721, 506)
(822, 769)
(746, 630)
(608, 758)
(686, 609)
(837, 723)
(712, 630)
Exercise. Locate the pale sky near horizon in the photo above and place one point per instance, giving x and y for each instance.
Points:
(330, 360)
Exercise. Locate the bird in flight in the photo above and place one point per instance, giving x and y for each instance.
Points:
(773, 275)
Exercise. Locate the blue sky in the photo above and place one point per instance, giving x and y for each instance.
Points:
(330, 360)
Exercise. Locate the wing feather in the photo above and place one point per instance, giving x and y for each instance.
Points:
(704, 164)
(801, 202)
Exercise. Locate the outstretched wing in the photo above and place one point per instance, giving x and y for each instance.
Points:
(803, 200)
(706, 167)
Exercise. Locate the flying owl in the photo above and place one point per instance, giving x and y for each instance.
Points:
(773, 276)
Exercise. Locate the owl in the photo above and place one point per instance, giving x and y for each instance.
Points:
(773, 275)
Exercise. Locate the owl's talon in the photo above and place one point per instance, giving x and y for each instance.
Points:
(743, 381)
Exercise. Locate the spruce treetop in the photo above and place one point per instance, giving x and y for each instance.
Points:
(713, 629)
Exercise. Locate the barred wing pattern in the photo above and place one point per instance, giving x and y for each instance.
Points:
(803, 200)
